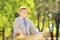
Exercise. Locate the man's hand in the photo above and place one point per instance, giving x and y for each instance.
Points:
(18, 32)
(44, 32)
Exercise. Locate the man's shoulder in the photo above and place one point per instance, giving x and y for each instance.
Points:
(18, 18)
(29, 20)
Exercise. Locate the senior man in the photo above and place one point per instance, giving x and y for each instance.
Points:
(24, 25)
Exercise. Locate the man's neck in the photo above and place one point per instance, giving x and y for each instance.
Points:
(23, 17)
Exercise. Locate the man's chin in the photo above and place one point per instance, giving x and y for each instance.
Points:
(24, 16)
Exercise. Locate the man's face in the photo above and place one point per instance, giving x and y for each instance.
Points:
(23, 13)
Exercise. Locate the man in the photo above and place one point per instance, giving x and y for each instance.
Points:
(22, 24)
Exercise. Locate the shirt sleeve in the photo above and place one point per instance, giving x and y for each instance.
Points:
(15, 27)
(32, 29)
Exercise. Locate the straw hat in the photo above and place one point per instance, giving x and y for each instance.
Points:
(22, 8)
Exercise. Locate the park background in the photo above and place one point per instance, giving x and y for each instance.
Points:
(45, 15)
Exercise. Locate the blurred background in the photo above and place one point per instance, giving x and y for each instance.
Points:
(45, 15)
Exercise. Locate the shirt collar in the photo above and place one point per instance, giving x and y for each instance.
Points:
(22, 18)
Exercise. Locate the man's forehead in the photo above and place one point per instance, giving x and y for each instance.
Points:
(23, 9)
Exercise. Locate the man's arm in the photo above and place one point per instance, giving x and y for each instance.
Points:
(16, 30)
(32, 29)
